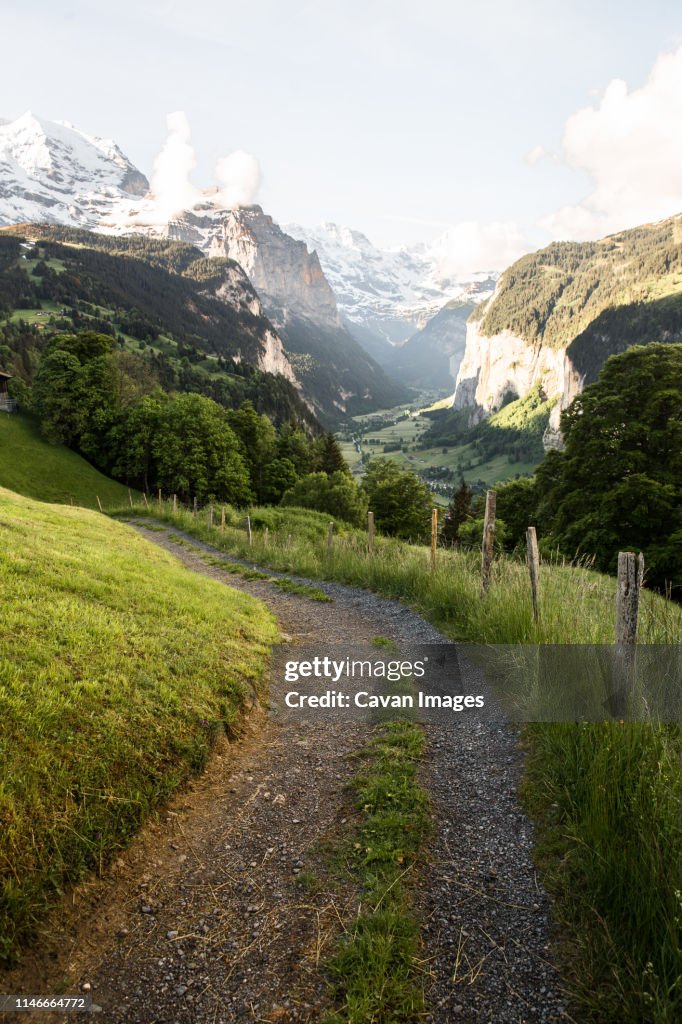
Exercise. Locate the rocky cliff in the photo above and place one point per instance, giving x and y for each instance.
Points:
(558, 314)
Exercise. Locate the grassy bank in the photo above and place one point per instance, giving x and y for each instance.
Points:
(118, 669)
(608, 798)
(30, 465)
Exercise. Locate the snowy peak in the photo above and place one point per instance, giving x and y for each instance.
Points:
(389, 292)
(52, 171)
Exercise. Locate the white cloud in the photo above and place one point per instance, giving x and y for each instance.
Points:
(170, 184)
(535, 155)
(471, 247)
(238, 176)
(631, 146)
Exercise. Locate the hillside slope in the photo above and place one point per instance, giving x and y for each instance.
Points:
(32, 466)
(119, 669)
(557, 314)
(197, 322)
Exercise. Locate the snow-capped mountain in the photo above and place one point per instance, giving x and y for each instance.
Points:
(53, 173)
(50, 172)
(388, 293)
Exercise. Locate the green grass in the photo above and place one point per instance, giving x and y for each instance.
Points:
(608, 800)
(577, 604)
(31, 466)
(118, 670)
(301, 590)
(374, 972)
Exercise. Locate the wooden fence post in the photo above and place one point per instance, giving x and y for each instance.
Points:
(194, 508)
(434, 537)
(533, 559)
(488, 539)
(144, 494)
(330, 537)
(630, 578)
(99, 503)
(222, 519)
(628, 586)
(130, 497)
(248, 530)
(160, 500)
(266, 536)
(370, 532)
(175, 503)
(210, 517)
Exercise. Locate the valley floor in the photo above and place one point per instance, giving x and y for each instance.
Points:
(211, 914)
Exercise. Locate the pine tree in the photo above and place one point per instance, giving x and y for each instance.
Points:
(458, 511)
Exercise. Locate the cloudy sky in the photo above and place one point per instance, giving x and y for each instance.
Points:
(505, 123)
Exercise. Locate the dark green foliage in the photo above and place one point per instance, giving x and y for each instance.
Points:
(328, 456)
(329, 362)
(516, 506)
(516, 430)
(197, 454)
(614, 330)
(153, 290)
(92, 397)
(337, 494)
(618, 483)
(457, 513)
(554, 294)
(400, 501)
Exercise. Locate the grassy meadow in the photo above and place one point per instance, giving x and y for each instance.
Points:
(32, 466)
(118, 670)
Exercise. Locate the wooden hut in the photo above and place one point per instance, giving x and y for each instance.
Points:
(7, 404)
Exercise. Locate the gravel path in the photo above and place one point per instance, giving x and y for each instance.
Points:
(206, 919)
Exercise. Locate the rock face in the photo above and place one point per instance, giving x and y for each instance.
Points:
(558, 314)
(387, 295)
(333, 367)
(493, 367)
(285, 274)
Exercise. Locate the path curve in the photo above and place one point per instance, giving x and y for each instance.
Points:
(204, 918)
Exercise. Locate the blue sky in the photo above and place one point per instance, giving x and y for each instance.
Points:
(399, 119)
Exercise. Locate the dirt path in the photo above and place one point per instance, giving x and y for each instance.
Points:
(212, 915)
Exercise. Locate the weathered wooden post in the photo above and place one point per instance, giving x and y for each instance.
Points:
(533, 559)
(194, 508)
(210, 517)
(160, 500)
(99, 503)
(175, 503)
(370, 532)
(144, 495)
(434, 537)
(630, 578)
(266, 536)
(130, 497)
(330, 537)
(488, 539)
(628, 586)
(222, 519)
(249, 535)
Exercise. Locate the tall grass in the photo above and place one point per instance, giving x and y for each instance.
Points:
(608, 798)
(577, 604)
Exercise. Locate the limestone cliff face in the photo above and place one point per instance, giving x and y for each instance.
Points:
(497, 365)
(334, 370)
(288, 278)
